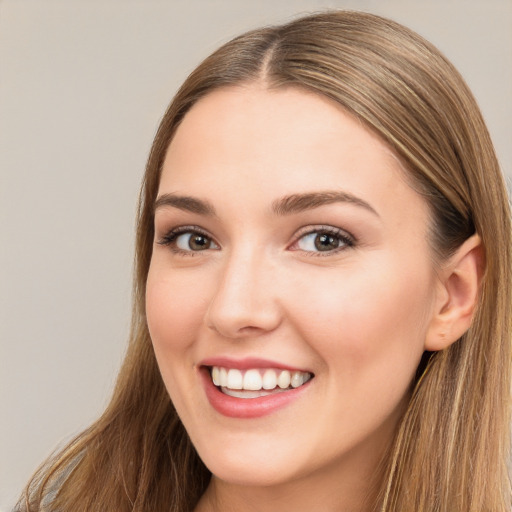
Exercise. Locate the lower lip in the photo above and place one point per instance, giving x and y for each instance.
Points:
(234, 407)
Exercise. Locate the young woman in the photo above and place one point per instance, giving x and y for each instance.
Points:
(322, 314)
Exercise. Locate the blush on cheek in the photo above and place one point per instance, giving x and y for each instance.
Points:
(168, 334)
(163, 313)
(369, 319)
(174, 314)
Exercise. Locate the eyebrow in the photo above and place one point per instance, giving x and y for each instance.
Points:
(296, 203)
(287, 205)
(186, 203)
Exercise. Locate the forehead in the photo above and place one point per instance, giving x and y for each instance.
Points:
(251, 117)
(249, 143)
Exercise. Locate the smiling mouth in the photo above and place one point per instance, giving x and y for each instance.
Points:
(256, 382)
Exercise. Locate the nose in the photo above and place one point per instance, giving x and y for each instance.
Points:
(245, 302)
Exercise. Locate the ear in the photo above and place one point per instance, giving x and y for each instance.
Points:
(457, 295)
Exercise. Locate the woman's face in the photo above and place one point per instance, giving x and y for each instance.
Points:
(289, 251)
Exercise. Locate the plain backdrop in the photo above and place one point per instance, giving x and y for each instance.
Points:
(83, 85)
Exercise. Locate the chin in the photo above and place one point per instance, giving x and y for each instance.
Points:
(253, 466)
(251, 474)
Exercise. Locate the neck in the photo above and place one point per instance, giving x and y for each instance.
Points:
(329, 491)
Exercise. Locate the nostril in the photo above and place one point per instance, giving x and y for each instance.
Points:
(243, 304)
(232, 330)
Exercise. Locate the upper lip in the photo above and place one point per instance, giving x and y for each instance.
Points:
(248, 363)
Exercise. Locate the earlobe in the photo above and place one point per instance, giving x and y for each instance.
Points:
(457, 295)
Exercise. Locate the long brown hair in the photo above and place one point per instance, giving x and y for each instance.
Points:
(451, 448)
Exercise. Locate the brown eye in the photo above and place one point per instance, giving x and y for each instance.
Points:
(323, 240)
(326, 242)
(193, 242)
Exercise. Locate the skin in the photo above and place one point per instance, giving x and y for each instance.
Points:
(357, 316)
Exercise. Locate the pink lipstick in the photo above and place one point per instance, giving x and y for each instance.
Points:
(251, 388)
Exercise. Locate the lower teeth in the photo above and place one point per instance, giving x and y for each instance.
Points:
(244, 393)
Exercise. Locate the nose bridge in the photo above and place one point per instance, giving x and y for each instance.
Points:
(245, 302)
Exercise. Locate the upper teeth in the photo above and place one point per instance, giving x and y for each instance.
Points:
(257, 379)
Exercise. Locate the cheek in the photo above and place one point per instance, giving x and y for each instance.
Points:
(370, 322)
(174, 312)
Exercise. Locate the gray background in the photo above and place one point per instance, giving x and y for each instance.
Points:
(83, 85)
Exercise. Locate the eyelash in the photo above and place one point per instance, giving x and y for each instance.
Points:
(170, 238)
(346, 239)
